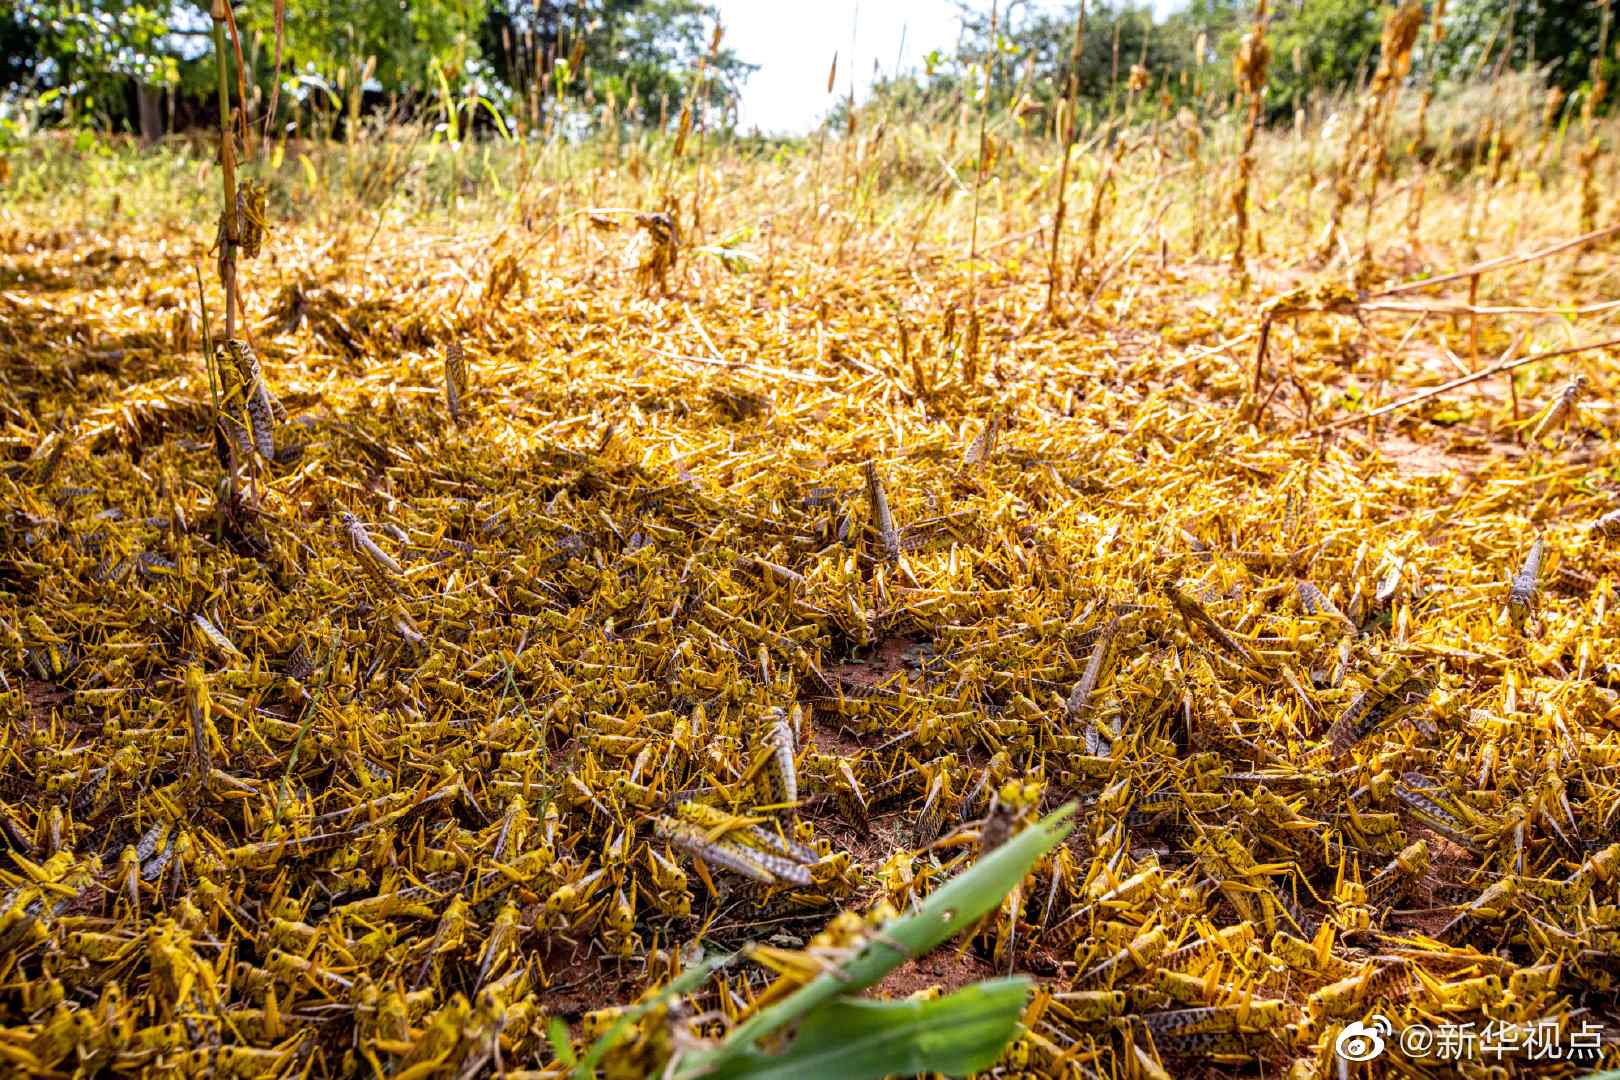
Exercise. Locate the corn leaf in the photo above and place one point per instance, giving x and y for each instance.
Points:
(950, 910)
(689, 980)
(864, 1040)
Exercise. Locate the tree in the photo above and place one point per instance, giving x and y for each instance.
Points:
(93, 52)
(1116, 39)
(1560, 35)
(1035, 46)
(97, 53)
(391, 44)
(1320, 46)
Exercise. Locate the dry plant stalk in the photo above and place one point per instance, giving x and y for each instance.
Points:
(821, 146)
(243, 403)
(1401, 31)
(702, 98)
(991, 54)
(1101, 189)
(1192, 142)
(226, 242)
(227, 235)
(1249, 66)
(1365, 154)
(1420, 136)
(1068, 125)
(1551, 107)
(660, 241)
(1589, 108)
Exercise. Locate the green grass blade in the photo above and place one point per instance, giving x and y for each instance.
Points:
(864, 1040)
(689, 980)
(446, 99)
(561, 1048)
(950, 910)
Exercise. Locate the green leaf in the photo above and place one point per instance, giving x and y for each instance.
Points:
(495, 114)
(864, 1040)
(736, 260)
(1450, 416)
(557, 1035)
(951, 909)
(689, 980)
(447, 100)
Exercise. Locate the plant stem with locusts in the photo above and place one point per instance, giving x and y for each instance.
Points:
(227, 159)
(227, 232)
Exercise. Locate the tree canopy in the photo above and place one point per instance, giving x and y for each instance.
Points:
(1560, 35)
(87, 56)
(1318, 46)
(88, 53)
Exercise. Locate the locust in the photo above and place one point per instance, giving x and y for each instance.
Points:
(1193, 611)
(1558, 414)
(777, 750)
(737, 844)
(1368, 708)
(882, 517)
(1525, 584)
(455, 382)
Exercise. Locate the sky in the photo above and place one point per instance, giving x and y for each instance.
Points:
(793, 41)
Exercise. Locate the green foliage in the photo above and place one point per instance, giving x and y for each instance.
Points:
(1047, 35)
(1318, 47)
(639, 54)
(329, 37)
(655, 51)
(88, 49)
(524, 57)
(948, 911)
(1035, 45)
(1561, 35)
(1116, 38)
(1323, 45)
(864, 1040)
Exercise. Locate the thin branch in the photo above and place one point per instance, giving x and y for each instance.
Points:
(1494, 369)
(1068, 133)
(1470, 309)
(1499, 263)
(275, 84)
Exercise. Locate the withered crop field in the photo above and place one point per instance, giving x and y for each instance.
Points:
(684, 562)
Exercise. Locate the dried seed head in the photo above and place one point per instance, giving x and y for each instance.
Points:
(660, 250)
(1552, 107)
(1399, 35)
(1192, 133)
(1250, 61)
